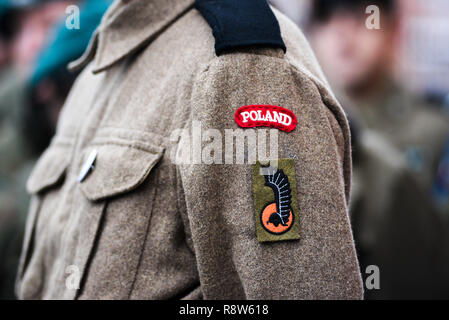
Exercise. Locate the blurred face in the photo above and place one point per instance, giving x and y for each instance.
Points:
(350, 54)
(33, 27)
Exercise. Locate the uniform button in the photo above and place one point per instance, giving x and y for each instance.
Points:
(88, 165)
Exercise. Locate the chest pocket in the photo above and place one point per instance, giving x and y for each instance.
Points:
(117, 169)
(120, 190)
(47, 176)
(107, 216)
(49, 170)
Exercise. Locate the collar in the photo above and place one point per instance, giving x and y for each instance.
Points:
(126, 27)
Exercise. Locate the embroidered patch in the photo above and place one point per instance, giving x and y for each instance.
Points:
(266, 116)
(275, 201)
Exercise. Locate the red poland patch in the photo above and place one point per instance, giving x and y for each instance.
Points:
(266, 116)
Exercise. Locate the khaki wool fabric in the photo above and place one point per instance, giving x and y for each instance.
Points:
(140, 226)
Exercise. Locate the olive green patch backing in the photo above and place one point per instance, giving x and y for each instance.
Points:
(264, 195)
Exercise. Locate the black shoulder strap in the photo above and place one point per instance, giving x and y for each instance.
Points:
(241, 23)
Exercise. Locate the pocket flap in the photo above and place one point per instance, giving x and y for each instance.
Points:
(49, 169)
(118, 169)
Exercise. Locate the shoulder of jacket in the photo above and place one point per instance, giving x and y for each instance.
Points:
(241, 23)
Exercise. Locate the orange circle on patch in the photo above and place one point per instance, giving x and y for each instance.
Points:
(269, 224)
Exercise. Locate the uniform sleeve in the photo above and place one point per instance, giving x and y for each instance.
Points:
(219, 196)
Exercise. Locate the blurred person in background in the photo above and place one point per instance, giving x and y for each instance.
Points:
(32, 91)
(360, 63)
(396, 226)
(32, 21)
(398, 141)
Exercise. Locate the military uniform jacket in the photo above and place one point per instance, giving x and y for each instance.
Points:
(137, 225)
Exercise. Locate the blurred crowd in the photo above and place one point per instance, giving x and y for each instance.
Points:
(393, 83)
(38, 38)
